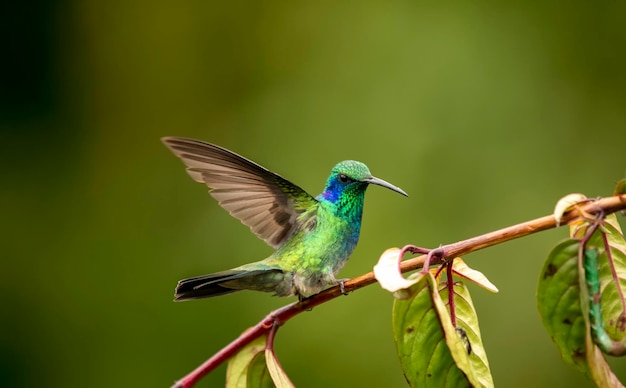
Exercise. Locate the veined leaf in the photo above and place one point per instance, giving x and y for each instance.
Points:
(558, 300)
(612, 287)
(460, 268)
(599, 369)
(467, 319)
(431, 352)
(247, 369)
(564, 301)
(612, 302)
(258, 374)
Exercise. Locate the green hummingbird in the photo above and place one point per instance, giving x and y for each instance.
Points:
(313, 236)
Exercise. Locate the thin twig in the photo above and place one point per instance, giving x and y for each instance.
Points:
(450, 287)
(606, 205)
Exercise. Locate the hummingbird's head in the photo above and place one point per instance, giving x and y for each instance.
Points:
(352, 178)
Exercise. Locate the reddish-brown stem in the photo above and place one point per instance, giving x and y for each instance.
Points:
(269, 344)
(269, 325)
(606, 205)
(450, 285)
(438, 253)
(439, 270)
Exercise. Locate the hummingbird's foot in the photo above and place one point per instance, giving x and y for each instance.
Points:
(342, 287)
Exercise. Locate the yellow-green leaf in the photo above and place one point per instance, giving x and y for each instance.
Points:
(563, 300)
(566, 204)
(429, 347)
(611, 301)
(558, 300)
(276, 371)
(247, 368)
(460, 268)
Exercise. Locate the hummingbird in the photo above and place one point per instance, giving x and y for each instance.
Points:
(313, 237)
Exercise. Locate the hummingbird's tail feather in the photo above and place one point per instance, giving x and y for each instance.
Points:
(219, 283)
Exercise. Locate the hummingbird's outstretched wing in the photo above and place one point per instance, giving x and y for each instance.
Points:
(264, 201)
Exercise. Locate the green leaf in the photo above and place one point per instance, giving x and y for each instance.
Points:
(611, 299)
(558, 300)
(248, 367)
(564, 302)
(600, 370)
(467, 319)
(431, 352)
(258, 374)
(276, 370)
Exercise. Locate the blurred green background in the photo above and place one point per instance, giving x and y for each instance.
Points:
(485, 113)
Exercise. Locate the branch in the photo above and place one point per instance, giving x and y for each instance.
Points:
(280, 316)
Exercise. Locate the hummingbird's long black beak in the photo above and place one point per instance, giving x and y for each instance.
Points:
(377, 181)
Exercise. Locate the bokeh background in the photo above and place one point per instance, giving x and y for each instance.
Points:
(485, 113)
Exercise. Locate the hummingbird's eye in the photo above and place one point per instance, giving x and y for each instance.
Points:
(343, 178)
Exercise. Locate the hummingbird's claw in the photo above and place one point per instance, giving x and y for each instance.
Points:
(342, 287)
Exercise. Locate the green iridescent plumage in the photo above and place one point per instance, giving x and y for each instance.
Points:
(313, 237)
